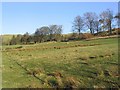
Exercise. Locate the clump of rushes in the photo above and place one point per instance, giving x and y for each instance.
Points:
(92, 57)
(71, 82)
(83, 58)
(55, 74)
(52, 81)
(106, 73)
(101, 55)
(19, 47)
(34, 72)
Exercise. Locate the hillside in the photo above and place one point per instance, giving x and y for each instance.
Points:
(83, 64)
(6, 38)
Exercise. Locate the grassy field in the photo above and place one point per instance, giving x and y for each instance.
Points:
(83, 64)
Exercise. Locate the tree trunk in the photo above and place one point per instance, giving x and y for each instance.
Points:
(79, 33)
(91, 30)
(110, 28)
(97, 30)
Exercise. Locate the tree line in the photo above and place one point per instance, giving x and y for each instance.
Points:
(90, 22)
(43, 34)
(95, 23)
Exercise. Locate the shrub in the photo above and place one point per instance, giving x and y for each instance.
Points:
(116, 31)
(71, 82)
(104, 33)
(87, 35)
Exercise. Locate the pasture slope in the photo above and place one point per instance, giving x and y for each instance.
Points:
(81, 64)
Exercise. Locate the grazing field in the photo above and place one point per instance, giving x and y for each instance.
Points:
(83, 64)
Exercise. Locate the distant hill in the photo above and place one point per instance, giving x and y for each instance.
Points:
(6, 38)
(116, 31)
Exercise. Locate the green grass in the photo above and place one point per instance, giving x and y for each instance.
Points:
(84, 64)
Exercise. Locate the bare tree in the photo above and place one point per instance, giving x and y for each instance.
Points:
(41, 34)
(51, 30)
(78, 24)
(96, 26)
(107, 17)
(55, 32)
(117, 18)
(90, 18)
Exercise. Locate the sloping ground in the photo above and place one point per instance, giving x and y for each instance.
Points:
(83, 64)
(104, 37)
(6, 38)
